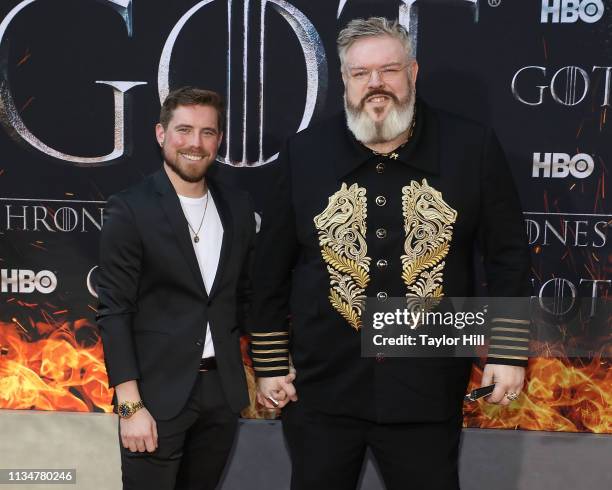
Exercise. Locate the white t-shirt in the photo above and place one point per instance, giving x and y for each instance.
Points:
(208, 248)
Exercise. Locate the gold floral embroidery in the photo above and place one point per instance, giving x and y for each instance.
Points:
(428, 224)
(342, 230)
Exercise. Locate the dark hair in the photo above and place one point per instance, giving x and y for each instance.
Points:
(187, 96)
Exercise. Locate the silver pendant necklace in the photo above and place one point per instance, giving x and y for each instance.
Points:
(196, 237)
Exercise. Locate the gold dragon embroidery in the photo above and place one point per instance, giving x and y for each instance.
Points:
(342, 230)
(428, 224)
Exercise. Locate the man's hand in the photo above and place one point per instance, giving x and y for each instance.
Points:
(507, 379)
(139, 432)
(279, 388)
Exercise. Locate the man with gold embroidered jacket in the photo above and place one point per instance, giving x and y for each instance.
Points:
(390, 207)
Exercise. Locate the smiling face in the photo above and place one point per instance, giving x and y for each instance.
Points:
(190, 141)
(379, 95)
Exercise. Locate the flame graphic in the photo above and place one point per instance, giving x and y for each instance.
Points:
(60, 366)
(55, 371)
(559, 395)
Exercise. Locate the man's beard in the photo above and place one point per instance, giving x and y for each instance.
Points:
(191, 174)
(370, 132)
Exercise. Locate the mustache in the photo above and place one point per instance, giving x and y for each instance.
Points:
(379, 91)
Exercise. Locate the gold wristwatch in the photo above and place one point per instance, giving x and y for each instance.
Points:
(127, 409)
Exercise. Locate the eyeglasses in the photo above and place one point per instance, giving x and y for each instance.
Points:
(388, 74)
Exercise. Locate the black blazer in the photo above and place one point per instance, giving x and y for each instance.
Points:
(153, 306)
(336, 232)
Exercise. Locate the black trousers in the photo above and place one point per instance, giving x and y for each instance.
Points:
(327, 451)
(192, 448)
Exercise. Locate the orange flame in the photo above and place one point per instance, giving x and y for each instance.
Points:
(55, 372)
(559, 395)
(62, 368)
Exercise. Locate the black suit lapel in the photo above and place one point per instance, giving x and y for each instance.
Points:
(222, 202)
(174, 212)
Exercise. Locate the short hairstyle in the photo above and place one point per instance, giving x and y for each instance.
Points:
(189, 96)
(374, 26)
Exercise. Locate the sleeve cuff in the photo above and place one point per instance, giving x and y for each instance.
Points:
(507, 360)
(509, 341)
(270, 354)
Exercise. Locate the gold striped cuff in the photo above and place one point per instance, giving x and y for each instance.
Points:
(510, 320)
(513, 339)
(271, 368)
(271, 359)
(270, 351)
(269, 342)
(504, 356)
(510, 347)
(510, 329)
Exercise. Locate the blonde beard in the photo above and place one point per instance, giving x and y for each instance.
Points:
(370, 132)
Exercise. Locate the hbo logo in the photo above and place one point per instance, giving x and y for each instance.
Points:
(569, 11)
(560, 165)
(25, 281)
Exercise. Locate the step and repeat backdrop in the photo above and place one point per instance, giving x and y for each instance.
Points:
(80, 89)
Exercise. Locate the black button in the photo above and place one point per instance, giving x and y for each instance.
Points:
(381, 200)
(199, 342)
(380, 168)
(382, 296)
(381, 264)
(381, 233)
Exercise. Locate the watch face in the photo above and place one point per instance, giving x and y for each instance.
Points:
(124, 410)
